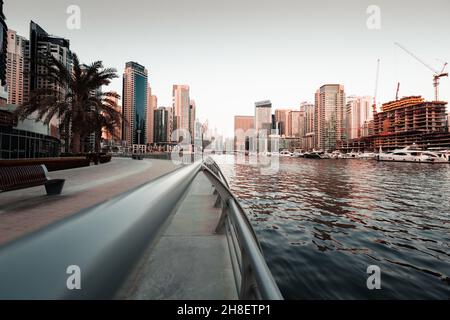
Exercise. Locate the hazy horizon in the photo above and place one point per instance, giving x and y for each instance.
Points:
(237, 52)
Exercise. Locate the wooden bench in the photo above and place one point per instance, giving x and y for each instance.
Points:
(14, 178)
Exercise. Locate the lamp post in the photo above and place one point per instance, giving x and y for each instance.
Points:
(139, 140)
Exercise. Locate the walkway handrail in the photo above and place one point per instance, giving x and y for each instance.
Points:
(105, 242)
(252, 275)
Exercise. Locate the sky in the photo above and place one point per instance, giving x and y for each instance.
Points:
(233, 53)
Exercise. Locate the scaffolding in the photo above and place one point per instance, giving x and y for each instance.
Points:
(410, 120)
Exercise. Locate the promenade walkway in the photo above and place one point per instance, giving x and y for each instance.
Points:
(189, 261)
(26, 210)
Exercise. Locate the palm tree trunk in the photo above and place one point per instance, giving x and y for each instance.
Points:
(98, 137)
(76, 139)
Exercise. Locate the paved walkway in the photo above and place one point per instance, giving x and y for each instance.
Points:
(190, 261)
(26, 210)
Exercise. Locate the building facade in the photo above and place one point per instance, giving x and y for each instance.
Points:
(400, 123)
(294, 123)
(38, 49)
(152, 106)
(181, 107)
(163, 125)
(24, 139)
(3, 45)
(358, 114)
(263, 116)
(243, 125)
(15, 68)
(134, 109)
(282, 118)
(192, 118)
(329, 116)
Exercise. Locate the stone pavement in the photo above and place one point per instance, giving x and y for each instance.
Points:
(26, 210)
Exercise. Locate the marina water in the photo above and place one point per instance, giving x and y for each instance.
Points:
(321, 223)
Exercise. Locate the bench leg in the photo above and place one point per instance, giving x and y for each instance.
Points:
(54, 187)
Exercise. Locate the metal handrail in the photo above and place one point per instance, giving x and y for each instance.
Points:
(255, 280)
(105, 242)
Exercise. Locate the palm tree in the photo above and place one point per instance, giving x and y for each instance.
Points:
(104, 116)
(68, 97)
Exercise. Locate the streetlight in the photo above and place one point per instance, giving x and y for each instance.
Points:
(139, 140)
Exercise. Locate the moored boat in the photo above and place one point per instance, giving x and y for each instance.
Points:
(411, 154)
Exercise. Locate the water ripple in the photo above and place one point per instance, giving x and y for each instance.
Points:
(322, 222)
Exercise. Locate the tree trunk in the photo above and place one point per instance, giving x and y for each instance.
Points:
(76, 142)
(98, 137)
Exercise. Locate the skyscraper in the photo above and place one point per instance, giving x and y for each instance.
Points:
(152, 106)
(244, 123)
(40, 47)
(263, 116)
(181, 106)
(282, 118)
(163, 125)
(358, 113)
(15, 67)
(294, 123)
(117, 134)
(328, 116)
(3, 45)
(135, 86)
(307, 128)
(192, 112)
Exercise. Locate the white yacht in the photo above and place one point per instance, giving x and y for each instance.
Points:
(366, 155)
(411, 154)
(441, 152)
(285, 153)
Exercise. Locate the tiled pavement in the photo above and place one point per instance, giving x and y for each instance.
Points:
(26, 210)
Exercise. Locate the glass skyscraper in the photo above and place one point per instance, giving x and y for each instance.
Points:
(135, 86)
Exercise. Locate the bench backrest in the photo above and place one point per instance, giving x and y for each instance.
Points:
(12, 178)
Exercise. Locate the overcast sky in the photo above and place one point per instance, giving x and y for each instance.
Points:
(235, 52)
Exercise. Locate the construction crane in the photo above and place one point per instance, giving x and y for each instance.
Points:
(398, 89)
(437, 74)
(374, 107)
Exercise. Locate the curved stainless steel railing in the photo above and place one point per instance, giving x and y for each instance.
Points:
(252, 275)
(104, 242)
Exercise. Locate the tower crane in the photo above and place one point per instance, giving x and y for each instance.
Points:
(437, 74)
(374, 107)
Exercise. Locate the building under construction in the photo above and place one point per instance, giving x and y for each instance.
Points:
(410, 120)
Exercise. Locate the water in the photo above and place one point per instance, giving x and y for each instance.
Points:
(321, 223)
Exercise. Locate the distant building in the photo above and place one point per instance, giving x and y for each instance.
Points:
(263, 116)
(358, 114)
(135, 86)
(15, 70)
(294, 123)
(329, 116)
(181, 107)
(152, 101)
(243, 125)
(410, 120)
(307, 125)
(38, 49)
(282, 118)
(192, 118)
(114, 138)
(3, 45)
(162, 125)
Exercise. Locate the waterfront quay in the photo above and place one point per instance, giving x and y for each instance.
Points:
(25, 210)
